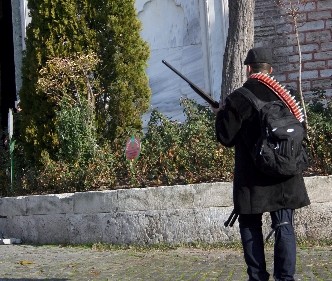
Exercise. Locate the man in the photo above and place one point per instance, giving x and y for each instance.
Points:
(237, 124)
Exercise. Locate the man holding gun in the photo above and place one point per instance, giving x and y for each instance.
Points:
(237, 124)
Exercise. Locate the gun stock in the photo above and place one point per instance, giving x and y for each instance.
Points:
(199, 91)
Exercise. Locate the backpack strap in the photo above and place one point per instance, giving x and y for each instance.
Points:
(257, 103)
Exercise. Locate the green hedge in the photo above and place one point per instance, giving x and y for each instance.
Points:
(172, 153)
(320, 133)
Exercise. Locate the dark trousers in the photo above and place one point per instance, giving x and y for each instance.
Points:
(284, 247)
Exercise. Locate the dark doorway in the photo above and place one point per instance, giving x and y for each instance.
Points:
(7, 65)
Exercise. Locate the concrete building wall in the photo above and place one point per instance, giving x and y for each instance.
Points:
(170, 214)
(190, 35)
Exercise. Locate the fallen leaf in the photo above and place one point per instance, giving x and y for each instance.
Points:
(25, 262)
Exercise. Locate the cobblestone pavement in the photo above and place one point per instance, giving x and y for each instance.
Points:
(25, 262)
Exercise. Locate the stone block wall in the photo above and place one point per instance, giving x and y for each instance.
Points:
(169, 214)
(276, 29)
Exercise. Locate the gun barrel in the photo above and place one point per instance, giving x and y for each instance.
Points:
(199, 91)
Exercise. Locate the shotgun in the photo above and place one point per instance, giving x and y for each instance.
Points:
(199, 91)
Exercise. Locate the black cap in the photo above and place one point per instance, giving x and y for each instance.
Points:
(258, 55)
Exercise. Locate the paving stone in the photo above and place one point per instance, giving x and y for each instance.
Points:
(27, 262)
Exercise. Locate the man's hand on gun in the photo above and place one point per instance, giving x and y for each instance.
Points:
(215, 110)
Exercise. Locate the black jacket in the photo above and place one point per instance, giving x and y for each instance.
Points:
(254, 192)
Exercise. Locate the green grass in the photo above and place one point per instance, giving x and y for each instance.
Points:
(236, 246)
(309, 243)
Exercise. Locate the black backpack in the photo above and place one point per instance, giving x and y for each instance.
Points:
(280, 149)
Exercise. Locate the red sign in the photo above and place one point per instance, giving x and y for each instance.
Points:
(133, 148)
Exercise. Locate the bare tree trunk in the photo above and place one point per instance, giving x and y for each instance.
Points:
(240, 39)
